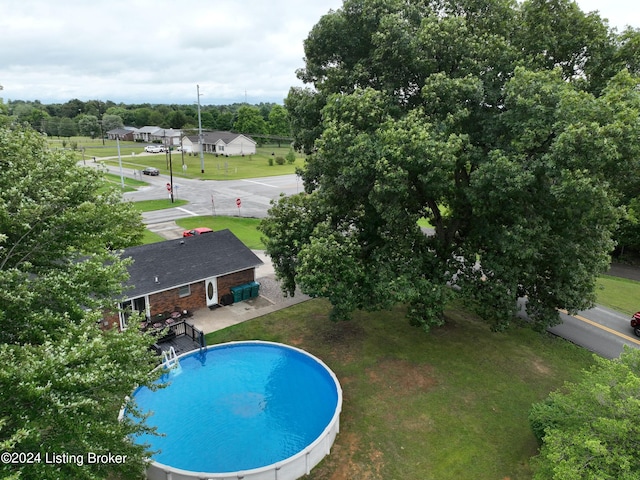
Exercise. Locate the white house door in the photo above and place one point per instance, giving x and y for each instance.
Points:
(212, 291)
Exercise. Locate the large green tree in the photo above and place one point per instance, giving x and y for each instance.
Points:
(591, 429)
(88, 125)
(249, 120)
(111, 122)
(458, 112)
(63, 380)
(279, 122)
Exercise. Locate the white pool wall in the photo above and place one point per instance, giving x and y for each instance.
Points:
(290, 468)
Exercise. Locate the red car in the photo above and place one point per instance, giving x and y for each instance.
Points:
(635, 323)
(196, 231)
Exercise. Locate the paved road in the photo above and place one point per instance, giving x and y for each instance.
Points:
(213, 196)
(601, 330)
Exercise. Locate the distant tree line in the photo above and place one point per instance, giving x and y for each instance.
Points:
(94, 118)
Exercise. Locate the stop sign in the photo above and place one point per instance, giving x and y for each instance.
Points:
(238, 202)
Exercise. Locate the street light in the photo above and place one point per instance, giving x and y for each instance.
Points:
(200, 132)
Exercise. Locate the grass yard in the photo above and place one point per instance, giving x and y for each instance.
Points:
(130, 184)
(618, 294)
(151, 237)
(217, 168)
(243, 228)
(160, 204)
(452, 404)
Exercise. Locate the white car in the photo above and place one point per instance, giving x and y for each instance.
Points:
(154, 149)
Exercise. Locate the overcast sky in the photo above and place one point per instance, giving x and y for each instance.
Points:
(157, 51)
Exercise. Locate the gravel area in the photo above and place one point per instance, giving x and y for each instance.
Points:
(270, 289)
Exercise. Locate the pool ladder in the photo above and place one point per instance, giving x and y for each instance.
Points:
(170, 358)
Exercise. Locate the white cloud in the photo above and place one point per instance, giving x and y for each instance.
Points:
(157, 51)
(140, 51)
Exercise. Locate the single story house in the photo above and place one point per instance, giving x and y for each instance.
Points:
(144, 134)
(188, 273)
(221, 143)
(166, 136)
(121, 134)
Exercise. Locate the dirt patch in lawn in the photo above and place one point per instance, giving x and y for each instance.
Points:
(402, 376)
(347, 461)
(344, 339)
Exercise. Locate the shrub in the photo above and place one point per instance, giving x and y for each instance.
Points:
(280, 160)
(291, 157)
(270, 162)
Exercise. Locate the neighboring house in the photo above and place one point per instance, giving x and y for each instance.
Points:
(144, 134)
(166, 136)
(122, 134)
(186, 274)
(221, 143)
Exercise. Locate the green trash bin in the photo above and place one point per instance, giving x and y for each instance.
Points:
(237, 293)
(246, 291)
(255, 289)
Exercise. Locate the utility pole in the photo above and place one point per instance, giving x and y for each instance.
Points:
(171, 175)
(167, 146)
(200, 132)
(120, 162)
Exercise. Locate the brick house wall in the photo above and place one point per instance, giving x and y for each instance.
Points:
(233, 280)
(168, 300)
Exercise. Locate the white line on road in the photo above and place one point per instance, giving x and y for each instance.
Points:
(187, 211)
(260, 183)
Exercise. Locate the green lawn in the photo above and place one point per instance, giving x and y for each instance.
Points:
(151, 237)
(243, 228)
(618, 294)
(452, 404)
(130, 184)
(216, 168)
(161, 204)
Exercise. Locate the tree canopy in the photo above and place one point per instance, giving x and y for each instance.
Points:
(63, 380)
(590, 429)
(504, 125)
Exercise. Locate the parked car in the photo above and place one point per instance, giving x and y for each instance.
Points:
(154, 149)
(196, 231)
(635, 323)
(151, 171)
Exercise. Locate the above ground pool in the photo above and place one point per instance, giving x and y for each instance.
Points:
(252, 410)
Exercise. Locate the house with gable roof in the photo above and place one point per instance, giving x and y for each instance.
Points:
(188, 273)
(144, 134)
(220, 143)
(166, 136)
(124, 134)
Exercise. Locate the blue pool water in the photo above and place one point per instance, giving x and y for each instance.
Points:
(239, 406)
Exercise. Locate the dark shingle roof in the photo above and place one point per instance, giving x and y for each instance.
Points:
(185, 260)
